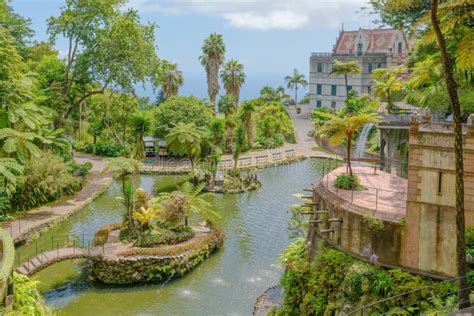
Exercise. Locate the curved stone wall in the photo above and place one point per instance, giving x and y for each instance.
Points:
(7, 258)
(151, 268)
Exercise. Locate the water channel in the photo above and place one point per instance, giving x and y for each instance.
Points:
(256, 228)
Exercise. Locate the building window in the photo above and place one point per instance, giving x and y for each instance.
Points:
(399, 47)
(370, 68)
(379, 65)
(333, 89)
(319, 89)
(319, 67)
(359, 49)
(318, 103)
(333, 104)
(369, 90)
(349, 88)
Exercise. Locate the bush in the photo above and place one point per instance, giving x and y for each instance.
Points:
(27, 299)
(210, 240)
(345, 181)
(102, 235)
(46, 179)
(80, 170)
(162, 236)
(105, 149)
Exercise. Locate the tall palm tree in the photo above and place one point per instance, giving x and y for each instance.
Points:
(186, 140)
(246, 111)
(141, 126)
(292, 82)
(386, 82)
(172, 79)
(342, 129)
(345, 68)
(233, 77)
(213, 50)
(442, 18)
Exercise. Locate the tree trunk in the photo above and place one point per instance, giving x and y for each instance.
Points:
(349, 148)
(347, 86)
(296, 94)
(463, 294)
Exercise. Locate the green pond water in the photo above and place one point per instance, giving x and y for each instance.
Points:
(228, 283)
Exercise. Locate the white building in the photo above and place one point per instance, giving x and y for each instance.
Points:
(379, 48)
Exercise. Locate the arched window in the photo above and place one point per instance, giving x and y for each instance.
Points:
(399, 47)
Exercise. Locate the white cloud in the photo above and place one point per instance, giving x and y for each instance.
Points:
(262, 14)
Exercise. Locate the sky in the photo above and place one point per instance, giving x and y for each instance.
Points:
(269, 37)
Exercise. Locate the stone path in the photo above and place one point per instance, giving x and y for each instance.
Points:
(384, 195)
(40, 218)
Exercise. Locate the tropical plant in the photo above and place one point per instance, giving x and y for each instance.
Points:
(217, 131)
(228, 106)
(386, 82)
(239, 140)
(121, 167)
(213, 50)
(27, 299)
(273, 124)
(278, 95)
(172, 79)
(345, 68)
(141, 125)
(145, 216)
(342, 129)
(195, 201)
(186, 140)
(95, 130)
(246, 112)
(292, 82)
(10, 172)
(233, 77)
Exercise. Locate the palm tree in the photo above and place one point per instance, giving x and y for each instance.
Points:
(172, 79)
(246, 111)
(278, 94)
(233, 77)
(239, 140)
(447, 17)
(141, 126)
(386, 82)
(342, 129)
(186, 140)
(213, 50)
(121, 167)
(345, 68)
(293, 82)
(228, 107)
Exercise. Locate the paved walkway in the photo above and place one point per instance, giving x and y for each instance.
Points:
(384, 195)
(40, 218)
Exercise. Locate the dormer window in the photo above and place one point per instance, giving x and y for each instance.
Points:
(359, 49)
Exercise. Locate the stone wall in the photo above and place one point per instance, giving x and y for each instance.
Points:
(358, 232)
(431, 216)
(149, 268)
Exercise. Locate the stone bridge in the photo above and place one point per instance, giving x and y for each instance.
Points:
(46, 259)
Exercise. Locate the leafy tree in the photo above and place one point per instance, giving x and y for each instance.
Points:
(141, 126)
(18, 27)
(246, 113)
(172, 79)
(180, 109)
(216, 132)
(95, 130)
(186, 140)
(292, 82)
(386, 83)
(195, 201)
(121, 167)
(107, 47)
(273, 123)
(345, 68)
(10, 173)
(233, 77)
(342, 129)
(212, 58)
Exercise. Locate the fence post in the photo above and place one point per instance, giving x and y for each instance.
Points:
(376, 199)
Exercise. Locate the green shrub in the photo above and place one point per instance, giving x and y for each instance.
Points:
(102, 235)
(80, 170)
(105, 149)
(214, 239)
(46, 179)
(345, 181)
(27, 299)
(162, 236)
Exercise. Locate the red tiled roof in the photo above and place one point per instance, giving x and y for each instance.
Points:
(379, 40)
